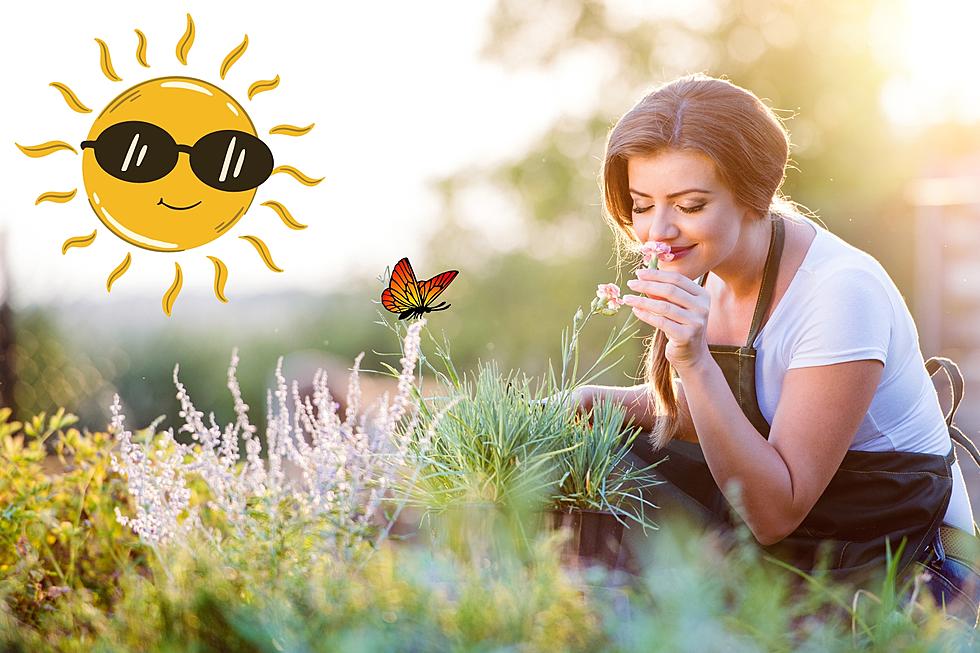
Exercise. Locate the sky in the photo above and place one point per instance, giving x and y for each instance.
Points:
(399, 96)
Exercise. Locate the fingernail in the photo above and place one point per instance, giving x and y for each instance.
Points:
(631, 282)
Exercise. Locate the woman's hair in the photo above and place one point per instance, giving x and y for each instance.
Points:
(749, 147)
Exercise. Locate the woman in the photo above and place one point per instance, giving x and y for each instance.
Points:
(800, 388)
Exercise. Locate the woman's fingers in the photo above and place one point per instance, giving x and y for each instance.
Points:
(657, 307)
(663, 291)
(659, 322)
(673, 278)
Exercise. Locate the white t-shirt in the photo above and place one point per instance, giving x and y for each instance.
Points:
(842, 306)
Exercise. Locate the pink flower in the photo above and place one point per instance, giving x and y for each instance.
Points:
(607, 291)
(608, 299)
(655, 249)
(614, 303)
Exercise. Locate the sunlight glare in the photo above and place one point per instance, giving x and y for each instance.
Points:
(936, 51)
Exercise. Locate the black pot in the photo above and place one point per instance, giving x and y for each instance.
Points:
(596, 537)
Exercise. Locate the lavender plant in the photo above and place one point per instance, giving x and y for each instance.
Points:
(323, 473)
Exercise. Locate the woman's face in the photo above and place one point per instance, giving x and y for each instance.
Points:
(678, 200)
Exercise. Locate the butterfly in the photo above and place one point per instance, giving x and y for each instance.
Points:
(407, 296)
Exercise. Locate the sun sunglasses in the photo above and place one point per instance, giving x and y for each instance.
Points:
(140, 152)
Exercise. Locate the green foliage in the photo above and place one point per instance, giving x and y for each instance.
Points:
(400, 600)
(697, 594)
(58, 530)
(73, 580)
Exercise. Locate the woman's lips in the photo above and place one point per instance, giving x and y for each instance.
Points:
(681, 252)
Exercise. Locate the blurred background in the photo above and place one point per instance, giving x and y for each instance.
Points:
(465, 136)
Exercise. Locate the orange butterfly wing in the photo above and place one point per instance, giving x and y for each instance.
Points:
(402, 293)
(432, 288)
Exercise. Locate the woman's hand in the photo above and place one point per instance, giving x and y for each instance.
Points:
(677, 306)
(581, 398)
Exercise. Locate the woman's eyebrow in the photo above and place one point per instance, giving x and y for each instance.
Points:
(673, 195)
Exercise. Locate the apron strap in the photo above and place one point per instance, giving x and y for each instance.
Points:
(769, 273)
(957, 384)
(956, 381)
(768, 277)
(960, 438)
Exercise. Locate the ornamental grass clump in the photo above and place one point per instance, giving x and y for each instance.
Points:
(598, 473)
(493, 446)
(503, 444)
(322, 476)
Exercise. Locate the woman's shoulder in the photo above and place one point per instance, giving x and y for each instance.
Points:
(836, 276)
(830, 256)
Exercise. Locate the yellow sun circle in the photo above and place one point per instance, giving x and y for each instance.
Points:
(178, 211)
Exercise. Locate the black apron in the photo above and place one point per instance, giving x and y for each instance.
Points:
(873, 496)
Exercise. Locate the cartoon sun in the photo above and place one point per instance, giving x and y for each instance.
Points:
(173, 163)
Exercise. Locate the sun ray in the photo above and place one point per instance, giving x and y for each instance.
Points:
(141, 49)
(118, 272)
(184, 45)
(220, 277)
(56, 196)
(73, 102)
(78, 241)
(284, 215)
(297, 175)
(263, 251)
(291, 130)
(262, 86)
(105, 62)
(170, 296)
(44, 149)
(233, 56)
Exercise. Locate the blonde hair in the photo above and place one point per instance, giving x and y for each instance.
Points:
(749, 147)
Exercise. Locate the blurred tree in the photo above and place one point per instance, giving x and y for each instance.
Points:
(51, 372)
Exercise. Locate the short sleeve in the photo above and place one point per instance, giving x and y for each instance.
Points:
(849, 317)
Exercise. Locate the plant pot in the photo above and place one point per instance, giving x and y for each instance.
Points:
(596, 537)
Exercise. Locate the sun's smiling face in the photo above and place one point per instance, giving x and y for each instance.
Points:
(176, 211)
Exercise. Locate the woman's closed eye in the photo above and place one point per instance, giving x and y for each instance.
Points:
(684, 209)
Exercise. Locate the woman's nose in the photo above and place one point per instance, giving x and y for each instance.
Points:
(659, 226)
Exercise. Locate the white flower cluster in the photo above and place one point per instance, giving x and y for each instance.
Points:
(156, 481)
(316, 464)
